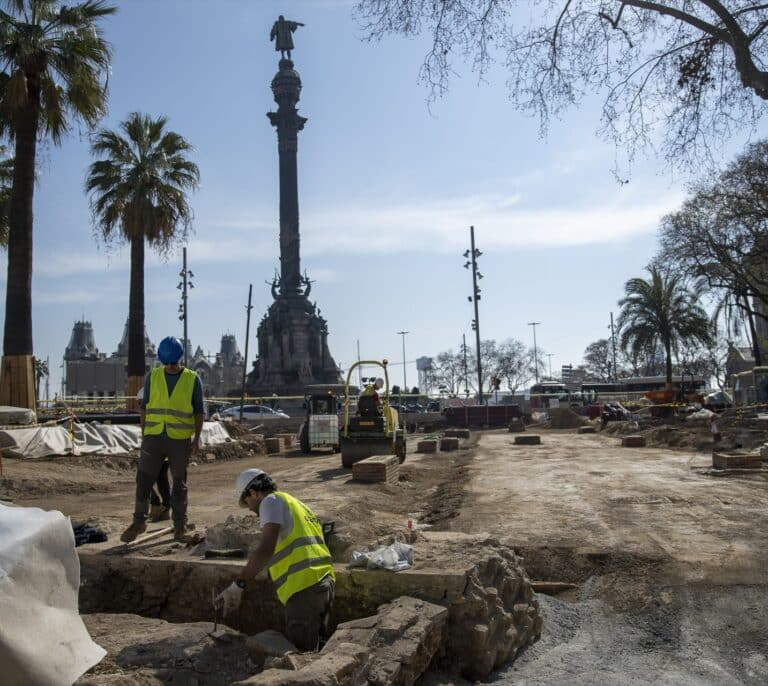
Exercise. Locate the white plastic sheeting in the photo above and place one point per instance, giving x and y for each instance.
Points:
(89, 438)
(16, 415)
(43, 641)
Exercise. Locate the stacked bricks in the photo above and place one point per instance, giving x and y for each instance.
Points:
(457, 433)
(273, 444)
(528, 439)
(379, 468)
(633, 442)
(736, 459)
(287, 439)
(449, 443)
(427, 446)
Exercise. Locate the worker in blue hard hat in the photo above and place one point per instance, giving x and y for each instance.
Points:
(171, 421)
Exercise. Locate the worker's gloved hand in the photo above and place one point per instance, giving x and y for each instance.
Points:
(229, 599)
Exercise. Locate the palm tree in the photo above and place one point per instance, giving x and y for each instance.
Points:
(6, 183)
(661, 311)
(53, 58)
(138, 192)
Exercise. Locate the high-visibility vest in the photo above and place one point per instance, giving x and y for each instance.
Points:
(174, 413)
(301, 559)
(370, 389)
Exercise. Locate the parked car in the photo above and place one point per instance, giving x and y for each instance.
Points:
(253, 412)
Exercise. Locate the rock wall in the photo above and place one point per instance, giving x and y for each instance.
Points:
(491, 608)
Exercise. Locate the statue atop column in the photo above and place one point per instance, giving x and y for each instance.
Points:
(282, 30)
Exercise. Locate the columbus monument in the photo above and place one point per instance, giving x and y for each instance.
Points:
(292, 336)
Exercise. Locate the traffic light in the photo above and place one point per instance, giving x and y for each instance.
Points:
(474, 325)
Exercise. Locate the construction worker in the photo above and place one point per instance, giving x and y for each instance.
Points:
(172, 421)
(372, 389)
(299, 562)
(160, 495)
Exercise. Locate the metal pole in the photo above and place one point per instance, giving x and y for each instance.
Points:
(535, 351)
(549, 356)
(359, 369)
(405, 383)
(613, 342)
(477, 315)
(466, 381)
(184, 300)
(248, 309)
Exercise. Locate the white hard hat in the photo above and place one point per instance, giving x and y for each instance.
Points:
(379, 382)
(247, 478)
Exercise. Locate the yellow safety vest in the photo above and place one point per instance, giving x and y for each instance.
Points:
(301, 559)
(369, 390)
(174, 413)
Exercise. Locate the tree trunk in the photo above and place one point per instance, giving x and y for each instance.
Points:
(668, 353)
(756, 352)
(136, 352)
(17, 335)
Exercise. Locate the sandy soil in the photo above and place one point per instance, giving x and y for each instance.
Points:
(671, 563)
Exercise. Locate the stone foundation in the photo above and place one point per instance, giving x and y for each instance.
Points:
(427, 446)
(448, 443)
(633, 442)
(528, 439)
(491, 608)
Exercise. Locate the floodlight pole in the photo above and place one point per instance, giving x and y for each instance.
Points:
(248, 309)
(535, 351)
(405, 384)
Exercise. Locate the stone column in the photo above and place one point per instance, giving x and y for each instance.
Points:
(286, 88)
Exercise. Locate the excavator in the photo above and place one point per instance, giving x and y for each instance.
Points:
(374, 428)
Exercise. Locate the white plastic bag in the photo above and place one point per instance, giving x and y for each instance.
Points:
(395, 557)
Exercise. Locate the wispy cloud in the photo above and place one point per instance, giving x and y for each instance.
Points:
(437, 225)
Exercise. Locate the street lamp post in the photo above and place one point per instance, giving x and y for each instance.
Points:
(535, 351)
(471, 255)
(405, 383)
(184, 285)
(549, 359)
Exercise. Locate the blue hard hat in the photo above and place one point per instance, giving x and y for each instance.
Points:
(170, 350)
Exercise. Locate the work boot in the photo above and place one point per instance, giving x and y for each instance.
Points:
(133, 531)
(159, 513)
(180, 533)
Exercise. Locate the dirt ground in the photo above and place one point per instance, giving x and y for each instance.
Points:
(670, 563)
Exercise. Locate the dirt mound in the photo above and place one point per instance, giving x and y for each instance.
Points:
(565, 418)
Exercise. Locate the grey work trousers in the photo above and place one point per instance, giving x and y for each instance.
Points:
(307, 614)
(154, 449)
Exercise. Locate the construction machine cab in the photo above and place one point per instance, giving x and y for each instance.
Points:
(374, 429)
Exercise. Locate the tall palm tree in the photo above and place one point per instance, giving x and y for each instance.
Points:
(661, 311)
(54, 59)
(138, 192)
(6, 184)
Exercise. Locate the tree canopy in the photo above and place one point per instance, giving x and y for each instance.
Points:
(682, 75)
(720, 235)
(662, 311)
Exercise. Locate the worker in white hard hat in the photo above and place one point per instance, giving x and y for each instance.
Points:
(293, 548)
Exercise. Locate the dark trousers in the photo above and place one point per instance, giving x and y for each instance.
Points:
(307, 614)
(154, 450)
(163, 488)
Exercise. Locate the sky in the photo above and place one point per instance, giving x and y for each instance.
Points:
(389, 184)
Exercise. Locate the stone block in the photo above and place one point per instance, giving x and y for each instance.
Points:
(528, 439)
(516, 425)
(266, 644)
(273, 444)
(457, 433)
(633, 441)
(740, 460)
(764, 451)
(287, 439)
(427, 446)
(587, 430)
(449, 443)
